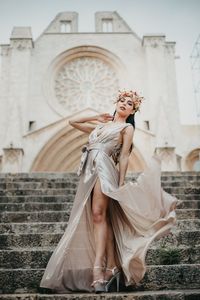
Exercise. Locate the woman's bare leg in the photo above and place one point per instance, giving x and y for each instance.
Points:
(99, 211)
(110, 252)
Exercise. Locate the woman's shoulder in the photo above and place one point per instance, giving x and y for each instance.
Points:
(128, 128)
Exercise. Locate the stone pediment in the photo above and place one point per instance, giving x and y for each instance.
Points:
(57, 125)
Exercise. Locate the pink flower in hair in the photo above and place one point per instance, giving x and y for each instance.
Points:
(137, 100)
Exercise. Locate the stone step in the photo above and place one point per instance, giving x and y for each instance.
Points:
(59, 216)
(60, 174)
(70, 198)
(35, 227)
(46, 184)
(191, 204)
(59, 227)
(66, 191)
(57, 175)
(38, 239)
(39, 192)
(38, 257)
(54, 206)
(38, 185)
(179, 294)
(188, 224)
(156, 278)
(44, 199)
(169, 254)
(186, 196)
(45, 216)
(36, 206)
(187, 213)
(182, 190)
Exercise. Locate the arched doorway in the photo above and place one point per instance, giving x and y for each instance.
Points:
(63, 151)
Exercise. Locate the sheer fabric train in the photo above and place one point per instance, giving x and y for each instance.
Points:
(140, 212)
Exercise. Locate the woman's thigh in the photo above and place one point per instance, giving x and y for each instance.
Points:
(99, 200)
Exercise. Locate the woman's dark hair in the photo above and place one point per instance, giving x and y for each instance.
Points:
(130, 119)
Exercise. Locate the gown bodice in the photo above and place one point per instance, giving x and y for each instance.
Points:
(107, 133)
(105, 137)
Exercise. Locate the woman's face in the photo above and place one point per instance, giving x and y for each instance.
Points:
(124, 106)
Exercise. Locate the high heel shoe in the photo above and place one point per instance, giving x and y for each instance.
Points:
(99, 284)
(115, 276)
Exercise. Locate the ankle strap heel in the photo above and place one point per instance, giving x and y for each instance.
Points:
(99, 284)
(116, 277)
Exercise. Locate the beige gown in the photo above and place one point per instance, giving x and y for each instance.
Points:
(140, 212)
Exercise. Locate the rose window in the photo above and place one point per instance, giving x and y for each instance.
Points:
(86, 82)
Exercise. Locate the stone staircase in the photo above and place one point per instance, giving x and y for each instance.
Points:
(34, 211)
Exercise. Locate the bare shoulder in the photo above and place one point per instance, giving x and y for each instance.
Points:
(128, 130)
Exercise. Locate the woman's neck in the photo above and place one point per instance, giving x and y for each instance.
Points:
(119, 120)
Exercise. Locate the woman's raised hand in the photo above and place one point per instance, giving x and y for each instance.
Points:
(104, 118)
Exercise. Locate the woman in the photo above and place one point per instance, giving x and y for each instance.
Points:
(112, 223)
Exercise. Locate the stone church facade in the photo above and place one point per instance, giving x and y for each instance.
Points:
(66, 73)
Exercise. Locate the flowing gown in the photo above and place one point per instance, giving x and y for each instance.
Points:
(139, 212)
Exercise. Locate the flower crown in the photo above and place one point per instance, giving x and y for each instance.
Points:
(137, 100)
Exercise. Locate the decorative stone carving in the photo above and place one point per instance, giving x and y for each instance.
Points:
(153, 41)
(165, 153)
(12, 159)
(170, 47)
(168, 158)
(21, 44)
(12, 155)
(86, 82)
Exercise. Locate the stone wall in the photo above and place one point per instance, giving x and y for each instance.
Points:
(66, 72)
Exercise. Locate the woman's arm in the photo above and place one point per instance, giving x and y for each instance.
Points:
(80, 123)
(124, 155)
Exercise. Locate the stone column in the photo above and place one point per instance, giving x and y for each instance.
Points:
(155, 74)
(165, 145)
(17, 97)
(4, 88)
(169, 159)
(162, 99)
(21, 45)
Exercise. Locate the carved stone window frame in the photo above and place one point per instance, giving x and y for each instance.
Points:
(83, 51)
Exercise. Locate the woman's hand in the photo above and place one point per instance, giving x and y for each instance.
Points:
(104, 117)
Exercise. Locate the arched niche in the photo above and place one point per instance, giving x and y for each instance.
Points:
(193, 160)
(62, 153)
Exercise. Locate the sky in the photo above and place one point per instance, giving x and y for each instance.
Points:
(179, 20)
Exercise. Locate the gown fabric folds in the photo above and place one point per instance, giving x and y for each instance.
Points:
(139, 213)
